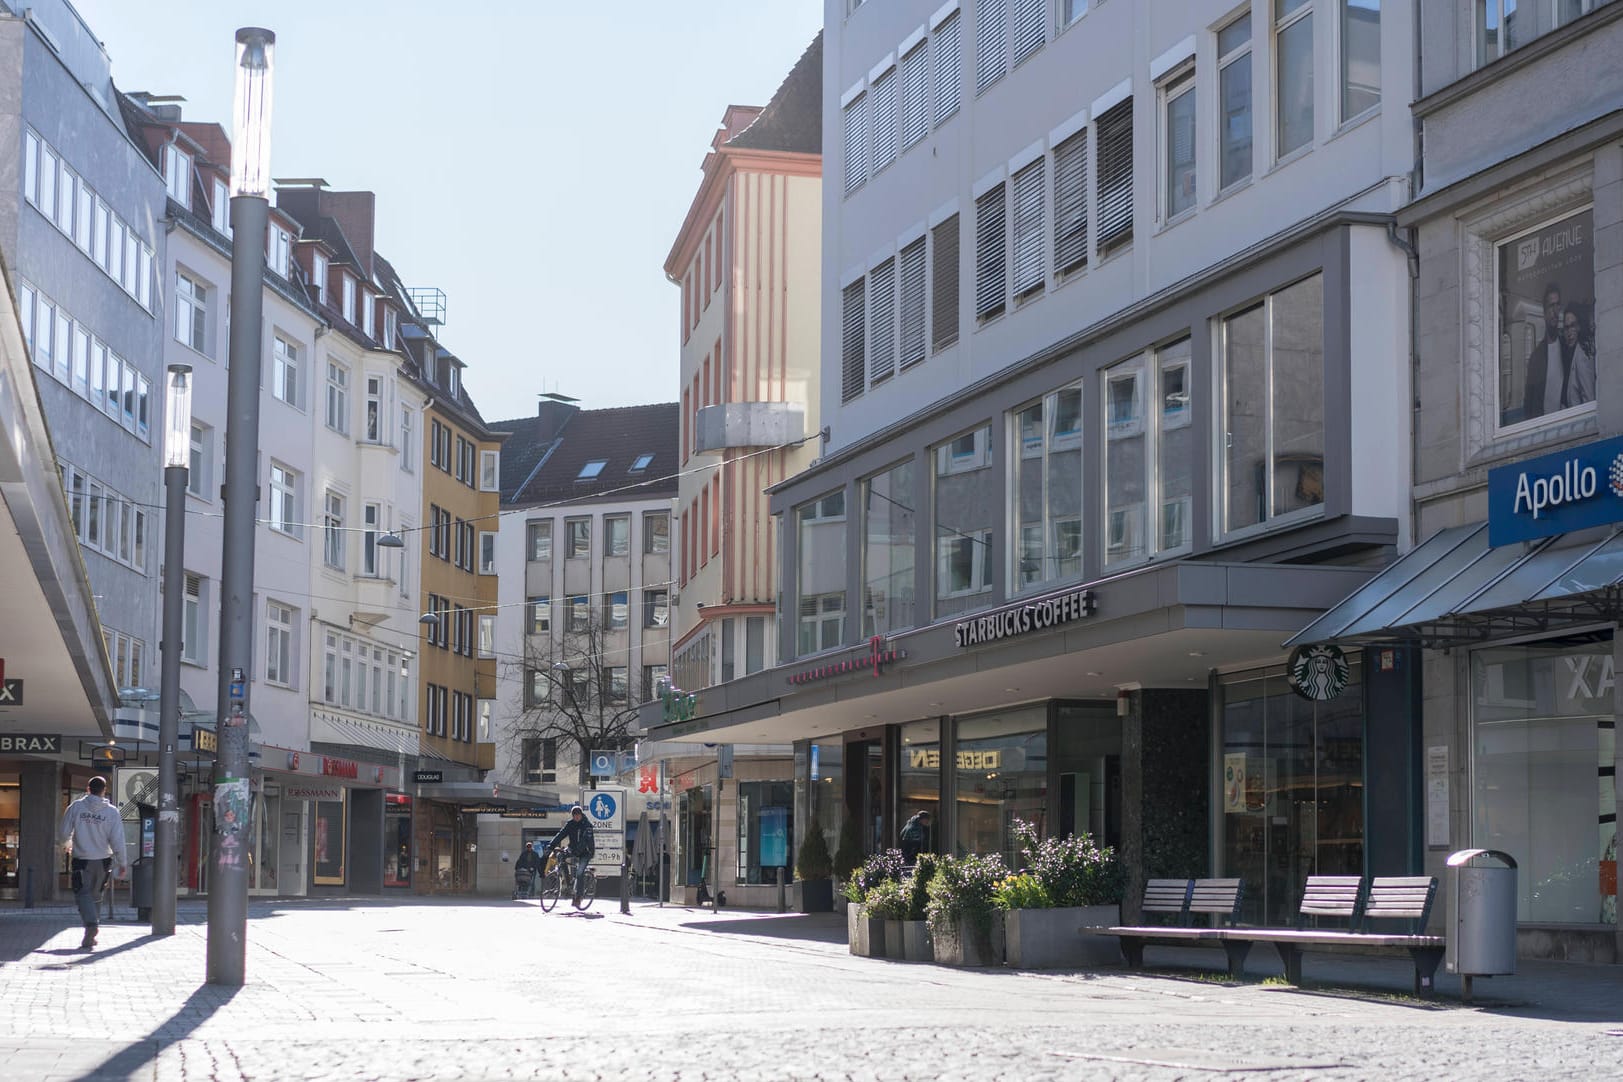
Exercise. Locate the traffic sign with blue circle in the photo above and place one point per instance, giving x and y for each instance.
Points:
(602, 807)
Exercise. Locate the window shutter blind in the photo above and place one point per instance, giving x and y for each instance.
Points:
(1028, 229)
(1115, 135)
(882, 321)
(852, 352)
(1030, 27)
(949, 54)
(991, 270)
(1071, 204)
(944, 284)
(883, 121)
(910, 275)
(915, 74)
(856, 143)
(991, 42)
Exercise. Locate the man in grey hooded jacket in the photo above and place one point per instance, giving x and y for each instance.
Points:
(93, 833)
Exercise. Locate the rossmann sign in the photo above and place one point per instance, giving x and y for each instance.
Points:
(1556, 493)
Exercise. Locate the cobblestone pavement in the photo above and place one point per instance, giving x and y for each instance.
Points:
(375, 989)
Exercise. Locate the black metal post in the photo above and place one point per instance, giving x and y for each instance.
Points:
(165, 880)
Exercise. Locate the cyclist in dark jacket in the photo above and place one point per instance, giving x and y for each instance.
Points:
(578, 844)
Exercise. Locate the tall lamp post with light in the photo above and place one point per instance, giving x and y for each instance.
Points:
(177, 450)
(250, 217)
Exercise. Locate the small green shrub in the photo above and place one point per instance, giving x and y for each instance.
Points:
(1022, 891)
(965, 888)
(918, 887)
(813, 863)
(1073, 870)
(848, 857)
(886, 900)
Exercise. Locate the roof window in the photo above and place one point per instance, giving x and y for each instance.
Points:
(590, 471)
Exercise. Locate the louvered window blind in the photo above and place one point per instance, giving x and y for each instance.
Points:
(915, 74)
(1028, 229)
(882, 322)
(1030, 27)
(856, 143)
(883, 121)
(910, 289)
(944, 284)
(853, 358)
(1071, 204)
(1114, 133)
(991, 265)
(991, 42)
(949, 58)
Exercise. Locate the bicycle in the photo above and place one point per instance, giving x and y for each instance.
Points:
(558, 881)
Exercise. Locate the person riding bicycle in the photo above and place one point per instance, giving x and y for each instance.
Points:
(526, 871)
(579, 845)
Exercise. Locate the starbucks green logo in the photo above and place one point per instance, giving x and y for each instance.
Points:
(1318, 672)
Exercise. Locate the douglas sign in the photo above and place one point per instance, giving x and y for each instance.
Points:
(1556, 493)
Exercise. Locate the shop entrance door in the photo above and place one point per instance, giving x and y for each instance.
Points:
(697, 830)
(865, 793)
(1087, 763)
(290, 856)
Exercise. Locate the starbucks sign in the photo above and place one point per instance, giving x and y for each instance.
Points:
(1319, 672)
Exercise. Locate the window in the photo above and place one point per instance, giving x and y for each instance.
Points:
(194, 621)
(220, 207)
(84, 222)
(910, 288)
(653, 678)
(285, 370)
(487, 635)
(590, 470)
(991, 42)
(1361, 56)
(490, 470)
(656, 532)
(177, 175)
(1114, 132)
(1234, 101)
(487, 552)
(1148, 470)
(279, 652)
(656, 608)
(1503, 26)
(335, 547)
(882, 322)
(318, 277)
(640, 463)
(580, 613)
(1178, 121)
(617, 535)
(338, 398)
(199, 460)
(617, 611)
(821, 584)
(856, 142)
(889, 534)
(882, 128)
(191, 312)
(991, 267)
(540, 615)
(284, 500)
(1030, 274)
(965, 503)
(1293, 74)
(949, 59)
(1273, 398)
(853, 342)
(280, 251)
(1030, 27)
(579, 532)
(369, 314)
(1546, 355)
(408, 444)
(822, 622)
(915, 89)
(371, 523)
(944, 284)
(1047, 492)
(1072, 10)
(616, 689)
(376, 409)
(538, 541)
(348, 296)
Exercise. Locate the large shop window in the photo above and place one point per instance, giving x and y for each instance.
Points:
(329, 843)
(919, 777)
(821, 541)
(889, 533)
(1273, 406)
(765, 825)
(965, 505)
(1149, 450)
(1546, 355)
(1048, 488)
(1544, 753)
(1002, 775)
(1292, 774)
(827, 797)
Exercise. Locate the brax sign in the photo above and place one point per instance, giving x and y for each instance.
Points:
(1030, 616)
(36, 743)
(1556, 493)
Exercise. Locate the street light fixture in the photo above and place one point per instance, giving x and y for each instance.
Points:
(177, 450)
(391, 540)
(250, 220)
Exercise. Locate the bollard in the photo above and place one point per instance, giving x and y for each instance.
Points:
(28, 888)
(782, 904)
(625, 886)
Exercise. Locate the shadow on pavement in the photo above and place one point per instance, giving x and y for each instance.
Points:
(198, 1008)
(799, 927)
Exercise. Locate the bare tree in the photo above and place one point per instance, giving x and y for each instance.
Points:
(576, 690)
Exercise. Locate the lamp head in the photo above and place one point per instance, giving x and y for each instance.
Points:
(250, 154)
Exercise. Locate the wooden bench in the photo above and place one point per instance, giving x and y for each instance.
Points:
(1391, 898)
(1215, 898)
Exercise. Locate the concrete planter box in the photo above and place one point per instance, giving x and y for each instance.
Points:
(963, 943)
(895, 945)
(1053, 939)
(915, 940)
(865, 934)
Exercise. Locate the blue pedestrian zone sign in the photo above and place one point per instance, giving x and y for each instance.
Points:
(602, 808)
(605, 810)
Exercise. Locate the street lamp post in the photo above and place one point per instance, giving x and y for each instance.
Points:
(250, 217)
(177, 449)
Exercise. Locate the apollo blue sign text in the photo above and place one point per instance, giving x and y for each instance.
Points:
(1556, 493)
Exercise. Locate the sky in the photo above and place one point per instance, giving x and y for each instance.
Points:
(532, 158)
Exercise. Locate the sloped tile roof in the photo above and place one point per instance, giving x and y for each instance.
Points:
(793, 119)
(544, 454)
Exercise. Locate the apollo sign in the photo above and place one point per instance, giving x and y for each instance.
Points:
(1556, 493)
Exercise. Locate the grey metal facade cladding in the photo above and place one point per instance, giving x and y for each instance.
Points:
(45, 90)
(1189, 310)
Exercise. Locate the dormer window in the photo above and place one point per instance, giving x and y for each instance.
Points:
(369, 324)
(349, 299)
(590, 471)
(388, 327)
(177, 175)
(640, 464)
(318, 276)
(280, 251)
(453, 376)
(220, 213)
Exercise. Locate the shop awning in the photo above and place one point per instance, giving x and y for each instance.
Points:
(1454, 589)
(328, 728)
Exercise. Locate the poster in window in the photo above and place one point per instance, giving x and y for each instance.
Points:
(774, 837)
(1547, 320)
(329, 842)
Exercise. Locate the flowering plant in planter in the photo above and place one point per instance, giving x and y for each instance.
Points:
(1071, 871)
(965, 888)
(885, 866)
(918, 887)
(886, 900)
(1022, 891)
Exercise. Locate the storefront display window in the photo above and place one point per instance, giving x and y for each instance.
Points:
(694, 814)
(1292, 773)
(966, 503)
(263, 857)
(889, 539)
(1048, 488)
(822, 584)
(1547, 345)
(764, 830)
(329, 843)
(1001, 768)
(1544, 753)
(827, 770)
(10, 832)
(397, 840)
(919, 774)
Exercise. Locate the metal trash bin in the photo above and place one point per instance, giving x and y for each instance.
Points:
(1481, 915)
(141, 872)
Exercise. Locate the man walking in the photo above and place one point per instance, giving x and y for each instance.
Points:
(915, 837)
(94, 835)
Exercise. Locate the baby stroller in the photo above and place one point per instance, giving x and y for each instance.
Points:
(526, 882)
